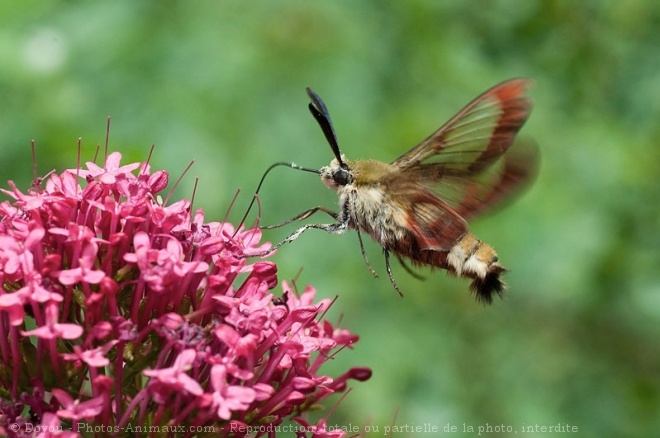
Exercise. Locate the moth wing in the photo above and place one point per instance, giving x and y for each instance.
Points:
(469, 163)
(495, 186)
(477, 135)
(475, 194)
(461, 170)
(434, 223)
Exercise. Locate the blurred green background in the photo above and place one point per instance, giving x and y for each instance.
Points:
(222, 83)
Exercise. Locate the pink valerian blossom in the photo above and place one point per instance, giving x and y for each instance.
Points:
(227, 398)
(76, 410)
(117, 311)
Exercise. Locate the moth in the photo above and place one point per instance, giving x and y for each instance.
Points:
(417, 206)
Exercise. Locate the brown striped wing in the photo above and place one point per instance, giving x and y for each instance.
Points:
(435, 225)
(496, 185)
(475, 137)
(463, 169)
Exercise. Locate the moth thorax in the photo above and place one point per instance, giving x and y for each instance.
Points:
(367, 172)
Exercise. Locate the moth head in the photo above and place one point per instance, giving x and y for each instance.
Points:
(337, 174)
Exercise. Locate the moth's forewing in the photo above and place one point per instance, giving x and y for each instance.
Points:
(451, 173)
(477, 135)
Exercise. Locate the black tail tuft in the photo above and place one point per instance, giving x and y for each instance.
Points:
(485, 288)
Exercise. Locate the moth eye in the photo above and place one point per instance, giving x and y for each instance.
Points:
(342, 176)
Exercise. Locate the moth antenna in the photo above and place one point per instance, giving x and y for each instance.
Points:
(107, 139)
(322, 116)
(319, 105)
(261, 181)
(169, 194)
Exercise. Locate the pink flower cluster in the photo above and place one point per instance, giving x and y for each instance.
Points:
(118, 312)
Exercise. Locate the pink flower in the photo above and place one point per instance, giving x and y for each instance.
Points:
(52, 330)
(94, 357)
(112, 285)
(175, 377)
(75, 409)
(162, 268)
(227, 398)
(109, 173)
(50, 427)
(318, 430)
(13, 304)
(85, 270)
(56, 331)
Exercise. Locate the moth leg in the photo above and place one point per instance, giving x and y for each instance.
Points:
(364, 254)
(304, 215)
(351, 211)
(408, 269)
(389, 272)
(334, 228)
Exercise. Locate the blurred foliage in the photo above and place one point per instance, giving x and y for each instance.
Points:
(222, 83)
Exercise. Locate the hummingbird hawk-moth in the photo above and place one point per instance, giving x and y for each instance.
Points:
(417, 206)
